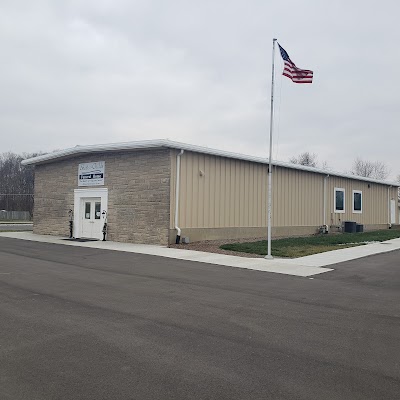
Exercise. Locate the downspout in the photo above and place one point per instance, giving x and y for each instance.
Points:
(389, 216)
(325, 226)
(178, 175)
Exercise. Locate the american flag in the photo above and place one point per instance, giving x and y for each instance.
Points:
(290, 70)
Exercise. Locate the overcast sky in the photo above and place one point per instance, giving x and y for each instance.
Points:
(98, 71)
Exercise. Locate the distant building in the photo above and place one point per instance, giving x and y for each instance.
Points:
(221, 195)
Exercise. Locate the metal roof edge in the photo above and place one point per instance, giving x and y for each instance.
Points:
(156, 143)
(93, 149)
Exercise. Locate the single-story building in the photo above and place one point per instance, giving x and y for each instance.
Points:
(151, 191)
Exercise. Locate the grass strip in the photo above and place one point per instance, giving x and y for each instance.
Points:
(304, 246)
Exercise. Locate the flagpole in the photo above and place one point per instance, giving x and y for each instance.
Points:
(269, 256)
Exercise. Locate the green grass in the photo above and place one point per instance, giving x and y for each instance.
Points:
(304, 246)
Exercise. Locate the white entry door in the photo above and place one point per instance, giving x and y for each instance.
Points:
(91, 222)
(392, 211)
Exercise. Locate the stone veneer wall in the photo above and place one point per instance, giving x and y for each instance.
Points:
(138, 185)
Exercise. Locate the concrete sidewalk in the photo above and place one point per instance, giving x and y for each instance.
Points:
(304, 266)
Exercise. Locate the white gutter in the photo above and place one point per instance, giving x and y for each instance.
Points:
(178, 175)
(325, 178)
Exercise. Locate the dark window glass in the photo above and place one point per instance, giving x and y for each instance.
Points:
(357, 201)
(97, 212)
(87, 210)
(339, 200)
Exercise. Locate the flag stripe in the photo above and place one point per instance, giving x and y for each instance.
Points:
(300, 73)
(297, 75)
(292, 66)
(300, 80)
(287, 73)
(297, 71)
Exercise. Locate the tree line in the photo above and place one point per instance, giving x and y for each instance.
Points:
(365, 168)
(17, 181)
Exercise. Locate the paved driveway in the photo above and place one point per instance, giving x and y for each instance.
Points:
(15, 227)
(81, 323)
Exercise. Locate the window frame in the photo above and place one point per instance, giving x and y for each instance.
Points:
(357, 211)
(344, 200)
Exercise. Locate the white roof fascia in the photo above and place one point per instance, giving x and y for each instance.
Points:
(148, 144)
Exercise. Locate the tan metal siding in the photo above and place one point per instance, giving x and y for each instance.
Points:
(233, 193)
(297, 198)
(227, 193)
(218, 192)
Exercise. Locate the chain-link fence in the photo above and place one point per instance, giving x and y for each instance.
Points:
(21, 202)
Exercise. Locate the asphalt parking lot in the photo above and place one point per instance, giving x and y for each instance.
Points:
(81, 323)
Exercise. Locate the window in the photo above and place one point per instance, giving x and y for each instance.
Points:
(339, 200)
(357, 201)
(87, 210)
(97, 213)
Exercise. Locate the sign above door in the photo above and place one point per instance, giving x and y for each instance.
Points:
(91, 174)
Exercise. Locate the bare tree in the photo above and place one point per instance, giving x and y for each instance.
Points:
(325, 166)
(370, 169)
(306, 158)
(16, 183)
